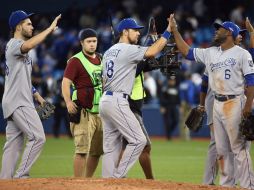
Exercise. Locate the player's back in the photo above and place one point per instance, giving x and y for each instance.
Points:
(119, 67)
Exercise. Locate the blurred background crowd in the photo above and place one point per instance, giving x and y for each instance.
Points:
(174, 96)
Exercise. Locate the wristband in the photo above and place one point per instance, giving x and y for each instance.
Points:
(200, 106)
(34, 90)
(166, 35)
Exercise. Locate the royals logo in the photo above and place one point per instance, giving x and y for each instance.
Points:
(28, 60)
(230, 62)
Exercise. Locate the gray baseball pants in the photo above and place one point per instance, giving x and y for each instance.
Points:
(119, 122)
(23, 123)
(226, 118)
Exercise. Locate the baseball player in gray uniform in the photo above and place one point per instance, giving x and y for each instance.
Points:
(229, 67)
(119, 68)
(18, 107)
(206, 100)
(213, 162)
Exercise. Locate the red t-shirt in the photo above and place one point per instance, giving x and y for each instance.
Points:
(77, 73)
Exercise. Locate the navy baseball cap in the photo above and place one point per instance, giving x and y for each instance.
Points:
(228, 26)
(128, 23)
(87, 33)
(16, 17)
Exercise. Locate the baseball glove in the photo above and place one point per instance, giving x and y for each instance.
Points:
(45, 110)
(247, 128)
(195, 119)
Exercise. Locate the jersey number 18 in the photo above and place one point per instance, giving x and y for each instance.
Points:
(110, 68)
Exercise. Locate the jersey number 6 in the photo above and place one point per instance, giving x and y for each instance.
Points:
(110, 68)
(227, 74)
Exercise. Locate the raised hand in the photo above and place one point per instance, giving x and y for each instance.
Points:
(53, 25)
(172, 22)
(248, 25)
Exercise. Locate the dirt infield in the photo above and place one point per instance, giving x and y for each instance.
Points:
(99, 184)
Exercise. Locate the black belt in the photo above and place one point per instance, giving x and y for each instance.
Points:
(110, 93)
(223, 98)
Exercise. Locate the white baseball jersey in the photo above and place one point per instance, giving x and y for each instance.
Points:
(226, 68)
(119, 67)
(18, 85)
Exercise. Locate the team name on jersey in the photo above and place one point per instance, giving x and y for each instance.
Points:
(28, 60)
(112, 53)
(228, 62)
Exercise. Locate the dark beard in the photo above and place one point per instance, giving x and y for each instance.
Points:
(26, 36)
(131, 42)
(219, 41)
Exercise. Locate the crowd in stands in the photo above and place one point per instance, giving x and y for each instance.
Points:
(195, 18)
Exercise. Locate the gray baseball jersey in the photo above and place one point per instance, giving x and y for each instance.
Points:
(226, 70)
(119, 68)
(23, 120)
(18, 86)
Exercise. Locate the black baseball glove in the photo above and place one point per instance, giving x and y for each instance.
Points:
(195, 119)
(45, 110)
(247, 127)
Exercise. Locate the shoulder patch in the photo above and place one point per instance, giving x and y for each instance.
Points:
(250, 62)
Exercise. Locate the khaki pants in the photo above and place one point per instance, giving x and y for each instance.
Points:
(88, 134)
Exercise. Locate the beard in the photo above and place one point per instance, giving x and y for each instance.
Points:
(218, 41)
(26, 35)
(132, 41)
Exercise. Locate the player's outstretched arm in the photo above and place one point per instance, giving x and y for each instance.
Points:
(250, 29)
(154, 49)
(34, 41)
(182, 46)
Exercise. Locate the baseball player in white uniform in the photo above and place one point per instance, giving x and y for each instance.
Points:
(18, 106)
(230, 67)
(119, 68)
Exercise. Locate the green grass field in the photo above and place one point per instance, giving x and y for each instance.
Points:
(175, 160)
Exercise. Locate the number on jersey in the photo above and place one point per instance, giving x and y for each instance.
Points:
(110, 68)
(227, 74)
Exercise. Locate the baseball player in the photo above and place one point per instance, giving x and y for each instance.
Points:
(119, 68)
(229, 67)
(136, 102)
(206, 100)
(83, 71)
(18, 107)
(213, 162)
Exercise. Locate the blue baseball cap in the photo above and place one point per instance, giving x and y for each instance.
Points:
(128, 23)
(228, 26)
(16, 17)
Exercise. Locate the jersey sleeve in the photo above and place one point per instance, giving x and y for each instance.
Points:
(72, 69)
(206, 72)
(136, 53)
(15, 47)
(200, 55)
(247, 64)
